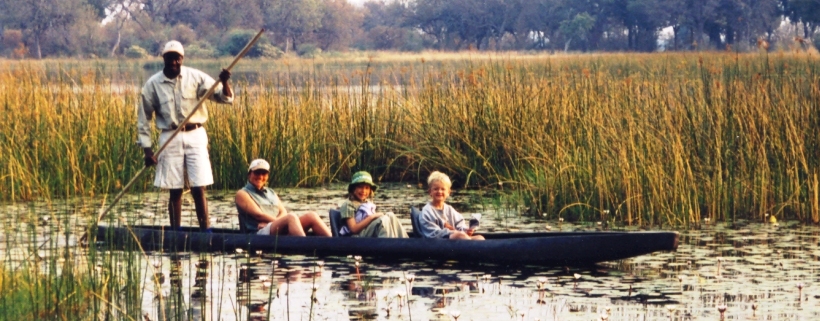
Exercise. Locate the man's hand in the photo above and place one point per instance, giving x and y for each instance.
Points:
(470, 231)
(449, 227)
(150, 160)
(226, 86)
(224, 75)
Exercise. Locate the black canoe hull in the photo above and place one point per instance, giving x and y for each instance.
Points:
(551, 248)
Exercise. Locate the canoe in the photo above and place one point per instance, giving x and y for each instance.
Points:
(546, 248)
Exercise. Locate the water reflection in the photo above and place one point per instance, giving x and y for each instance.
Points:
(757, 271)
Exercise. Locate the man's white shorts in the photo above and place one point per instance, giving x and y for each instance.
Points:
(187, 152)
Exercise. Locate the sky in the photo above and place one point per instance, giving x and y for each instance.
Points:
(358, 2)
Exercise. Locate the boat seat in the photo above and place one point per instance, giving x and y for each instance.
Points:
(335, 222)
(415, 216)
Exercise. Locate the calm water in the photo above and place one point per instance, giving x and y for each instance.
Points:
(775, 268)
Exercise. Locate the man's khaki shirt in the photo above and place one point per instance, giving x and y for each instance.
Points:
(171, 100)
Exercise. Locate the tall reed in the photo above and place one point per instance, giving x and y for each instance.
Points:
(647, 138)
(45, 276)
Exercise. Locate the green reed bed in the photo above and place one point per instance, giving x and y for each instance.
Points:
(641, 139)
(45, 276)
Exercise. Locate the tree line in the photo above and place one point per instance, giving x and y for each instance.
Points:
(211, 28)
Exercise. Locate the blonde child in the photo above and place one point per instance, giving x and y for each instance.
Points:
(359, 213)
(440, 220)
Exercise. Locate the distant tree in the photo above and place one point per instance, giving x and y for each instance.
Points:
(136, 52)
(120, 12)
(223, 15)
(12, 43)
(505, 13)
(388, 25)
(643, 19)
(672, 14)
(340, 22)
(696, 15)
(435, 18)
(807, 12)
(540, 21)
(36, 18)
(294, 20)
(82, 38)
(99, 7)
(235, 41)
(749, 20)
(70, 27)
(171, 12)
(577, 27)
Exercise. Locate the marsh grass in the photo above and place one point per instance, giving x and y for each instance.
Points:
(650, 139)
(28, 295)
(45, 276)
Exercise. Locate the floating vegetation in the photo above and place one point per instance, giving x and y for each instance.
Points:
(771, 274)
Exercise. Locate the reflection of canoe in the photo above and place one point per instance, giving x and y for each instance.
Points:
(551, 248)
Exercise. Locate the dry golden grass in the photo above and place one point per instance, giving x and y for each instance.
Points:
(647, 138)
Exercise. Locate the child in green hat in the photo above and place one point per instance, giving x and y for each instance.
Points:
(359, 213)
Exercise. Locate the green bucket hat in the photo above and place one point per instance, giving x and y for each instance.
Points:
(359, 178)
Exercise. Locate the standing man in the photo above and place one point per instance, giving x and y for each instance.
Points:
(170, 96)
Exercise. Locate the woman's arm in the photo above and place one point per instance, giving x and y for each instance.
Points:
(247, 204)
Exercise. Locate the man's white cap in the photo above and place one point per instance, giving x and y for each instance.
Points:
(173, 46)
(259, 164)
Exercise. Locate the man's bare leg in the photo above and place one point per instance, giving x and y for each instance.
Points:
(201, 204)
(175, 208)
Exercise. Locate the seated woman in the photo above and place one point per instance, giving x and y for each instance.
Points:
(261, 211)
(359, 213)
(439, 219)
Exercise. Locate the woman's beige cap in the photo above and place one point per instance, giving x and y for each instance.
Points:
(259, 164)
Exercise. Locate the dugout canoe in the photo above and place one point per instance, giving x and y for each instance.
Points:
(546, 248)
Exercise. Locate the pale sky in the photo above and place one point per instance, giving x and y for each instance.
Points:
(358, 2)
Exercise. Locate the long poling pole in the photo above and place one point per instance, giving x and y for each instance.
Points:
(176, 131)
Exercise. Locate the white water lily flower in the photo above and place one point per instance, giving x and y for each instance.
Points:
(541, 282)
(455, 313)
